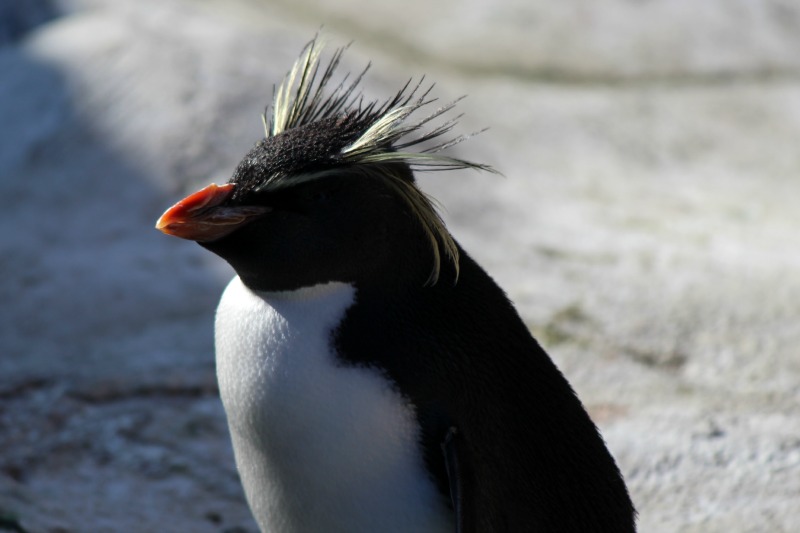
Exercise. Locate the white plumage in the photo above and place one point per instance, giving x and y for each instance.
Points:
(320, 447)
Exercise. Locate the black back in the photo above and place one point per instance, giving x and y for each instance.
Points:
(534, 460)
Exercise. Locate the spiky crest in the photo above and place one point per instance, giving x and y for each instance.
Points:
(384, 136)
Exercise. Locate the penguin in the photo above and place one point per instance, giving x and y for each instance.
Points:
(374, 377)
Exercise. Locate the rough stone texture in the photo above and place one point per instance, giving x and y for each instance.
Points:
(646, 229)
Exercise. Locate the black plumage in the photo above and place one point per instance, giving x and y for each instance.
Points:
(531, 457)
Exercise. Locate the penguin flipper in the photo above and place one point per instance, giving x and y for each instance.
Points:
(452, 446)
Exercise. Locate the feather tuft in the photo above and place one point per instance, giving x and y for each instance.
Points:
(373, 136)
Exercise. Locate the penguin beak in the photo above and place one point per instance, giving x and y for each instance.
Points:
(201, 217)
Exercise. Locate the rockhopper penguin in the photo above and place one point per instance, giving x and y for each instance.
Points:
(374, 377)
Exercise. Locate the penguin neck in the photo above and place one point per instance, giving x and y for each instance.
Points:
(311, 293)
(403, 274)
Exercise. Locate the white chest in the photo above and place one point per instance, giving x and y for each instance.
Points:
(319, 446)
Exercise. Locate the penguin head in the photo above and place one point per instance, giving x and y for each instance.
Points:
(329, 193)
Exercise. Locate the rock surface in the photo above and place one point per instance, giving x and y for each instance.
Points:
(646, 229)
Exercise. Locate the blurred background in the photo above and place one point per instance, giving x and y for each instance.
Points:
(646, 227)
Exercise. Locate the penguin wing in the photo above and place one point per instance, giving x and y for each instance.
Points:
(452, 447)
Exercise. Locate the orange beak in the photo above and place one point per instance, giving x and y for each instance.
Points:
(201, 217)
